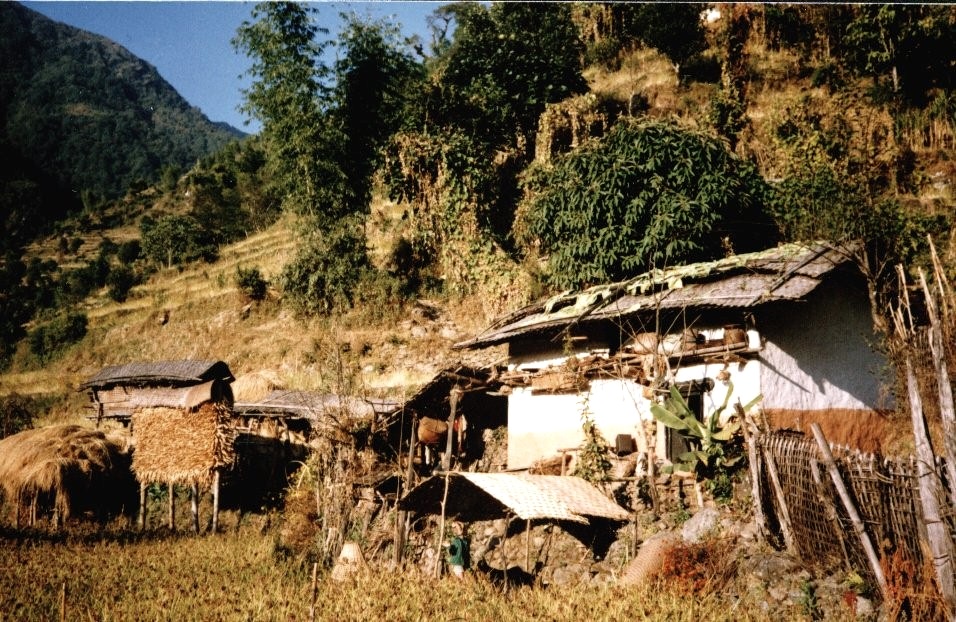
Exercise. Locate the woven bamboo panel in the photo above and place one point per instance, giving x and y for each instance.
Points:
(884, 491)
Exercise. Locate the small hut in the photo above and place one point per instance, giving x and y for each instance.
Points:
(66, 470)
(180, 417)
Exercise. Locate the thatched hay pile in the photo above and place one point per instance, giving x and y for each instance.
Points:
(64, 464)
(254, 387)
(179, 446)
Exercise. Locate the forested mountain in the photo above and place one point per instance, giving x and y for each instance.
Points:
(79, 110)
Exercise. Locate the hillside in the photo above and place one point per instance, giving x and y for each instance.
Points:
(81, 111)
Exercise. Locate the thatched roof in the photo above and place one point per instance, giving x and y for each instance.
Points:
(785, 273)
(58, 460)
(489, 496)
(174, 445)
(159, 373)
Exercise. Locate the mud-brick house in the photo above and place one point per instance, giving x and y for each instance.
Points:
(791, 324)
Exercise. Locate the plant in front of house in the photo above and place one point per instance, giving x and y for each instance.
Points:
(715, 444)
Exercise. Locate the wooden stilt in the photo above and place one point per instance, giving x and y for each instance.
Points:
(785, 522)
(194, 506)
(172, 506)
(527, 546)
(141, 519)
(215, 501)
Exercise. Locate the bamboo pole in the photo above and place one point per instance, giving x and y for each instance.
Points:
(947, 410)
(63, 602)
(786, 525)
(527, 545)
(402, 517)
(937, 532)
(851, 510)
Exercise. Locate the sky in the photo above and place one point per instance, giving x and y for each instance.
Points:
(189, 42)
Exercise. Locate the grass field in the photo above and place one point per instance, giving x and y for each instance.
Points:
(235, 575)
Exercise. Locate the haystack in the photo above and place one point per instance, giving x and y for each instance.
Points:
(255, 386)
(63, 464)
(180, 446)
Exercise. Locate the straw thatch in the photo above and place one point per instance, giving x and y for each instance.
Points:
(178, 446)
(62, 463)
(254, 387)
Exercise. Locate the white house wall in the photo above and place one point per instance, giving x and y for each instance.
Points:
(818, 355)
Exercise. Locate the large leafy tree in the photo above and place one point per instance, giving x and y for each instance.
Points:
(504, 64)
(291, 97)
(675, 29)
(911, 46)
(375, 74)
(649, 194)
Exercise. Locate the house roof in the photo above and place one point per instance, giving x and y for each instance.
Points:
(787, 272)
(312, 405)
(159, 373)
(489, 496)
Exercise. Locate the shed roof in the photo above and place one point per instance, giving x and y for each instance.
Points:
(312, 405)
(158, 373)
(787, 272)
(488, 496)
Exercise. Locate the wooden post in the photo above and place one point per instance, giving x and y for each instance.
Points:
(751, 433)
(527, 545)
(785, 522)
(172, 506)
(400, 517)
(215, 500)
(194, 505)
(947, 410)
(441, 526)
(937, 532)
(141, 519)
(315, 590)
(452, 413)
(63, 602)
(851, 510)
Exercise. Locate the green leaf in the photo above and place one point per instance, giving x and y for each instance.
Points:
(667, 418)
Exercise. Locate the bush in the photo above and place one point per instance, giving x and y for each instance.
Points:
(325, 273)
(120, 281)
(16, 414)
(48, 340)
(129, 251)
(251, 284)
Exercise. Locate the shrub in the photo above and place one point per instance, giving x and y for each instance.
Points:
(48, 340)
(250, 282)
(129, 251)
(120, 281)
(16, 414)
(175, 240)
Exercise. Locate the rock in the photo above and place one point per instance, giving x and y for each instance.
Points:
(700, 525)
(419, 332)
(864, 607)
(350, 561)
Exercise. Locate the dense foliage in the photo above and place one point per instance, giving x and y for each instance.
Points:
(649, 194)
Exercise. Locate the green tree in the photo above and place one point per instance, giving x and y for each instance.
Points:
(649, 194)
(176, 239)
(675, 29)
(912, 46)
(289, 95)
(375, 75)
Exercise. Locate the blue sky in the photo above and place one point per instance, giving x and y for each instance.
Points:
(189, 42)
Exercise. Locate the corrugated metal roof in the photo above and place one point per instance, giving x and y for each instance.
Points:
(487, 496)
(175, 373)
(788, 272)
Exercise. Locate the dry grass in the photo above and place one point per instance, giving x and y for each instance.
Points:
(236, 576)
(175, 445)
(59, 461)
